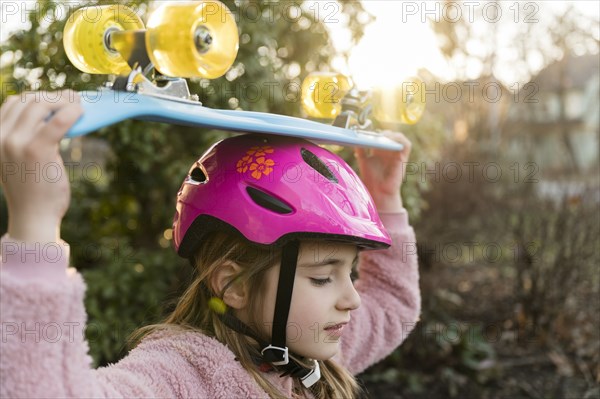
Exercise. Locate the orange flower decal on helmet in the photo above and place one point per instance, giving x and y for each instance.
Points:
(257, 162)
(242, 164)
(261, 167)
(260, 151)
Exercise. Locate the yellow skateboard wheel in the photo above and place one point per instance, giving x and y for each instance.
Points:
(404, 104)
(192, 39)
(86, 42)
(322, 93)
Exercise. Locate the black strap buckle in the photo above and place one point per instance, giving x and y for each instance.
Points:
(274, 353)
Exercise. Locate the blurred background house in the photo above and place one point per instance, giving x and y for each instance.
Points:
(558, 123)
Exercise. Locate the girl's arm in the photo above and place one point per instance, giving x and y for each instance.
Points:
(42, 316)
(391, 301)
(389, 279)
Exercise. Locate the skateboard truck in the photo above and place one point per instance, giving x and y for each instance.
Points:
(175, 89)
(355, 111)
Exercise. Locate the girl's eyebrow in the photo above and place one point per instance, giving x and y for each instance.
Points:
(329, 261)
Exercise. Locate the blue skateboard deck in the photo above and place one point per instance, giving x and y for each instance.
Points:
(106, 107)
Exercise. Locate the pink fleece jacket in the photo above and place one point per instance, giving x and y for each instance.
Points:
(44, 352)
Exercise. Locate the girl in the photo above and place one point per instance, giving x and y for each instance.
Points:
(273, 227)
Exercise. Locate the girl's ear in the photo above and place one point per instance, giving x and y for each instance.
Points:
(223, 281)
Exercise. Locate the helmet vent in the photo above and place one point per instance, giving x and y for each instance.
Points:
(269, 202)
(314, 162)
(198, 176)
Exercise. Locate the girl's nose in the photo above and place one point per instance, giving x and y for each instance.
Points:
(350, 299)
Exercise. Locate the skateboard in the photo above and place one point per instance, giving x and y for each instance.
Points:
(200, 39)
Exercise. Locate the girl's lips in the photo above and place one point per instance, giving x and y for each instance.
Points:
(335, 330)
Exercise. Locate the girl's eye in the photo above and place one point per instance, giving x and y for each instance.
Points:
(320, 281)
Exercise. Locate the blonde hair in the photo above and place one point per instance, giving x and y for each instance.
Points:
(192, 313)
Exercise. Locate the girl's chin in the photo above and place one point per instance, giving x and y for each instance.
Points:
(320, 354)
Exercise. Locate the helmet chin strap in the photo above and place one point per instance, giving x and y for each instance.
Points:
(277, 353)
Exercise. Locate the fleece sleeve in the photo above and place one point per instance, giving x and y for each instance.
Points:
(391, 301)
(43, 351)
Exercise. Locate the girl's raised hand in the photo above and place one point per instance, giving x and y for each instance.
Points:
(34, 178)
(383, 171)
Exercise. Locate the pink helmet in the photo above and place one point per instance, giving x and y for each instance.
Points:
(275, 190)
(271, 189)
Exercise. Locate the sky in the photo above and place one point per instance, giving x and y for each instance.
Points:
(394, 46)
(401, 40)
